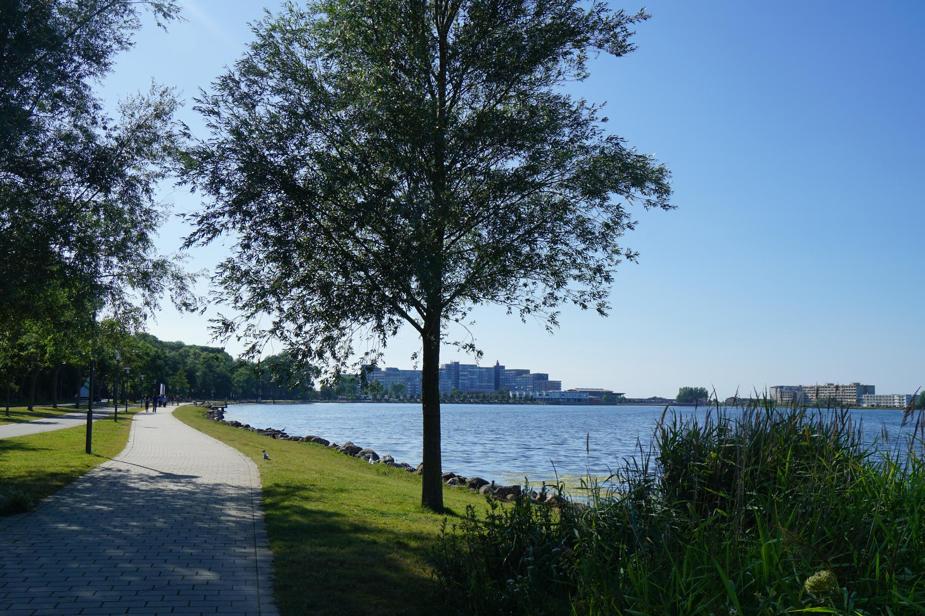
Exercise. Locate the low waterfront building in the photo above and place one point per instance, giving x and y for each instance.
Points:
(563, 396)
(889, 401)
(596, 394)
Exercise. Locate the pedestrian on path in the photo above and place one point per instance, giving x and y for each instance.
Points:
(147, 403)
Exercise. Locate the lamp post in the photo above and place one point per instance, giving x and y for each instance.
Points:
(89, 445)
(125, 388)
(115, 387)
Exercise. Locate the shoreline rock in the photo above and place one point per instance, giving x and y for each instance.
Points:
(474, 484)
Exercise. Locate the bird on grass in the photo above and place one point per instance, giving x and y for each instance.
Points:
(266, 456)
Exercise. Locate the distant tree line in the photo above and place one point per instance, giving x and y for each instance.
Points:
(42, 371)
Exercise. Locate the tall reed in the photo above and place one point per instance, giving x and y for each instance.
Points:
(769, 511)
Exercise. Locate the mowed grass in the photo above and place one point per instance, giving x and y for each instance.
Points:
(35, 466)
(347, 537)
(21, 414)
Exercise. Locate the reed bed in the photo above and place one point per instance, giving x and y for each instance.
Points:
(767, 511)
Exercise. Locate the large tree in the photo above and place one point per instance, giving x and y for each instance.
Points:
(398, 161)
(77, 188)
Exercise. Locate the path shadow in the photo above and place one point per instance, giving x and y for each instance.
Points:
(164, 474)
(141, 531)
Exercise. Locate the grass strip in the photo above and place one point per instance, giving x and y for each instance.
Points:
(35, 466)
(347, 537)
(21, 414)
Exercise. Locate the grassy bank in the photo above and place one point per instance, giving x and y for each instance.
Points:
(772, 512)
(347, 537)
(21, 414)
(33, 467)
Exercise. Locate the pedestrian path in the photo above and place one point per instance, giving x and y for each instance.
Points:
(47, 424)
(171, 526)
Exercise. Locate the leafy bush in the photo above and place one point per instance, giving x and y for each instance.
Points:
(769, 512)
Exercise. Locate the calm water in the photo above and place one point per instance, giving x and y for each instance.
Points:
(500, 442)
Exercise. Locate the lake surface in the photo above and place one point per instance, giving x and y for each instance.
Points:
(501, 442)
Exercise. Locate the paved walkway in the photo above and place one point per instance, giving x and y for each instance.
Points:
(171, 526)
(58, 422)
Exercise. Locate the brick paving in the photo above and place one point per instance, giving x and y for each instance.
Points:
(171, 526)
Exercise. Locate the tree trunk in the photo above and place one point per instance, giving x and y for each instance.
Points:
(33, 379)
(431, 479)
(54, 387)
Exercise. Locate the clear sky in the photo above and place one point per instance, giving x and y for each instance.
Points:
(796, 137)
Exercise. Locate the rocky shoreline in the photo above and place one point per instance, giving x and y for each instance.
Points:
(546, 495)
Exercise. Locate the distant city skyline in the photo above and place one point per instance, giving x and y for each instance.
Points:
(795, 147)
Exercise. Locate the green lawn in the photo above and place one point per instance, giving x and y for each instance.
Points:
(19, 414)
(32, 467)
(347, 537)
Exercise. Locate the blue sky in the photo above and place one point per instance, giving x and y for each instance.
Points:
(796, 139)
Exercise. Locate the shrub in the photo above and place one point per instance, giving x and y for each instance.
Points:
(768, 512)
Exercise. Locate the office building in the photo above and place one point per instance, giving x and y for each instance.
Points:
(389, 377)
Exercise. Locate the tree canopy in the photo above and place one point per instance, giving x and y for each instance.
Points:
(394, 162)
(691, 395)
(78, 212)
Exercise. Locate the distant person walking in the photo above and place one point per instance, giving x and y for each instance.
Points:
(147, 404)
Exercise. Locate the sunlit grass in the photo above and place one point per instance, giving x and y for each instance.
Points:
(35, 466)
(347, 537)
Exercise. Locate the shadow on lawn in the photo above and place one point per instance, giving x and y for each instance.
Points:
(327, 563)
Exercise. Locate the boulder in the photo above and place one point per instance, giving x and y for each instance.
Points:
(350, 448)
(368, 454)
(420, 468)
(475, 483)
(448, 476)
(388, 460)
(486, 489)
(453, 481)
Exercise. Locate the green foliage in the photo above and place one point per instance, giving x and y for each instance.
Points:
(689, 395)
(78, 213)
(773, 512)
(403, 172)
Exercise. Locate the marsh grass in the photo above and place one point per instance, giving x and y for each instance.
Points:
(728, 514)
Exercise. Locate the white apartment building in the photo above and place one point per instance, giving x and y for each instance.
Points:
(888, 401)
(851, 394)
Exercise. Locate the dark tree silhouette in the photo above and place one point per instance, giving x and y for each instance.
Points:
(392, 162)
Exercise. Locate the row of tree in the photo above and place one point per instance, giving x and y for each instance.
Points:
(134, 366)
(78, 213)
